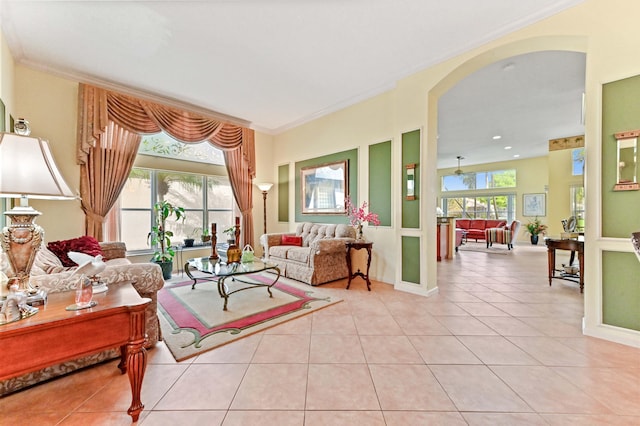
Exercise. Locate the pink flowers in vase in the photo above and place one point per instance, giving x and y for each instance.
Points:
(358, 215)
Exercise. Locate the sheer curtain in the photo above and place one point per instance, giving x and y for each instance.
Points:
(109, 133)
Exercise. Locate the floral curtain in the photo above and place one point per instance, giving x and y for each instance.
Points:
(110, 125)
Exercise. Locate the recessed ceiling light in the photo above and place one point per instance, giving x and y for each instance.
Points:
(496, 137)
(507, 147)
(516, 156)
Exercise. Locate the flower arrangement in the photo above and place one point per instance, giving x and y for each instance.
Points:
(536, 227)
(358, 215)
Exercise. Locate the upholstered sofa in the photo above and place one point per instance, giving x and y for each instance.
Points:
(475, 227)
(504, 235)
(314, 254)
(48, 273)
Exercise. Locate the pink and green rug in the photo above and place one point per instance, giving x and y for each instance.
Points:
(193, 321)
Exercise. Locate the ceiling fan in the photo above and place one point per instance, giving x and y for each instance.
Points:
(459, 171)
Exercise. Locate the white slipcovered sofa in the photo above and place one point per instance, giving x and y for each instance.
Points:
(320, 256)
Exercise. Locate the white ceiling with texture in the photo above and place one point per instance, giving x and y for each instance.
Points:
(272, 63)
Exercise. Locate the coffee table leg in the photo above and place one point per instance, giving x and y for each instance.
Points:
(186, 270)
(223, 292)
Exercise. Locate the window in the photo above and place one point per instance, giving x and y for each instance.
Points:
(501, 206)
(577, 161)
(479, 180)
(577, 205)
(191, 191)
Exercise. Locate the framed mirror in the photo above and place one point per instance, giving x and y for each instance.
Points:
(627, 161)
(324, 188)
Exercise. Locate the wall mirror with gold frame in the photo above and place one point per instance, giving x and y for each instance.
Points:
(324, 188)
(627, 161)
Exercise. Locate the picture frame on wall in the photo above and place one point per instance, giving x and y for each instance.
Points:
(534, 204)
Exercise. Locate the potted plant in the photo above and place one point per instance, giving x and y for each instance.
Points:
(534, 228)
(160, 237)
(205, 235)
(231, 234)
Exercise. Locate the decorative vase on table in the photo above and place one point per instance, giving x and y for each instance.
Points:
(534, 240)
(359, 234)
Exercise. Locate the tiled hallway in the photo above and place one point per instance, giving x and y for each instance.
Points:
(497, 345)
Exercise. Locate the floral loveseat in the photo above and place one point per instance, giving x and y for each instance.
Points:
(49, 273)
(314, 254)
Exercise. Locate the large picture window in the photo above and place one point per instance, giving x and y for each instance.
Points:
(191, 191)
(479, 180)
(499, 206)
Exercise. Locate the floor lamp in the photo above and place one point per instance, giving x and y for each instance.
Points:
(27, 170)
(265, 187)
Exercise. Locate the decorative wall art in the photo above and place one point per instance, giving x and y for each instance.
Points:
(534, 205)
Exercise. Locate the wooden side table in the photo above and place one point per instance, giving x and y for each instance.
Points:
(55, 335)
(358, 245)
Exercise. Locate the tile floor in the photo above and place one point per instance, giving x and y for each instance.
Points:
(497, 345)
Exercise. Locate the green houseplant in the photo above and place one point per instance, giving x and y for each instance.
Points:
(231, 234)
(160, 237)
(534, 228)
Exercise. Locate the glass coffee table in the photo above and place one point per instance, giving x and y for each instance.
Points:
(219, 272)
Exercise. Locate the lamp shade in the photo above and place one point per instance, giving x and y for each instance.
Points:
(265, 186)
(27, 169)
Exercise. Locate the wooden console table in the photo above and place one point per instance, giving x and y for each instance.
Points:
(55, 335)
(572, 245)
(357, 245)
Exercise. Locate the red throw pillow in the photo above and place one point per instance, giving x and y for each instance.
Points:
(85, 244)
(291, 240)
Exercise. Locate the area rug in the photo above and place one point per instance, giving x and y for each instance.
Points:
(481, 247)
(193, 321)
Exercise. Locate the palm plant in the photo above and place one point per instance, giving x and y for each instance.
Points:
(159, 236)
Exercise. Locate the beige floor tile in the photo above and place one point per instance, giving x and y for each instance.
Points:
(204, 387)
(482, 309)
(496, 350)
(589, 420)
(302, 325)
(392, 381)
(272, 387)
(333, 324)
(344, 418)
(389, 350)
(548, 392)
(339, 349)
(550, 351)
(276, 348)
(96, 419)
(421, 325)
(240, 351)
(603, 353)
(443, 350)
(116, 395)
(340, 387)
(519, 309)
(445, 309)
(418, 418)
(379, 325)
(492, 419)
(477, 388)
(186, 417)
(463, 326)
(617, 388)
(264, 418)
(510, 326)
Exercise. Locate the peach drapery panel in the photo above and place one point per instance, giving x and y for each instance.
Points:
(99, 108)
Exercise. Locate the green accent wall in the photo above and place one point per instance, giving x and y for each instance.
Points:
(621, 290)
(380, 181)
(620, 271)
(411, 259)
(352, 157)
(283, 193)
(620, 112)
(411, 154)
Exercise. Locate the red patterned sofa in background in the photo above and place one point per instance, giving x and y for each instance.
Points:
(475, 227)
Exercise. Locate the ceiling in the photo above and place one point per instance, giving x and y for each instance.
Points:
(275, 64)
